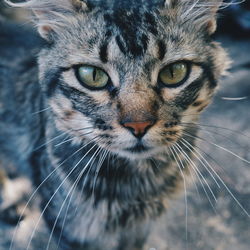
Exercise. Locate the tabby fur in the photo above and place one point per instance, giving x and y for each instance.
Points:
(102, 190)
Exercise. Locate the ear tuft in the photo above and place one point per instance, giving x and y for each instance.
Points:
(44, 31)
(202, 13)
(51, 15)
(80, 5)
(211, 26)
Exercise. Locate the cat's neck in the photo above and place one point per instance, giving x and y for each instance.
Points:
(89, 176)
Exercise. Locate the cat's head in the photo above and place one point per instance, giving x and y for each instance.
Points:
(128, 75)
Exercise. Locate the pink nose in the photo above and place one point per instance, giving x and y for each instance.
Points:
(138, 128)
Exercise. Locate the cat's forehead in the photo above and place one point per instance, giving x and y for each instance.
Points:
(125, 37)
(132, 29)
(113, 35)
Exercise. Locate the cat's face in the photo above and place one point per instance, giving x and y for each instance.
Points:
(130, 80)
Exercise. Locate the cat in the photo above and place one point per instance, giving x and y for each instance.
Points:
(103, 109)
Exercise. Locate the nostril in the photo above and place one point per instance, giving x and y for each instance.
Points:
(138, 128)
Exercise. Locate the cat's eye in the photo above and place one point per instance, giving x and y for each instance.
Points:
(174, 74)
(92, 77)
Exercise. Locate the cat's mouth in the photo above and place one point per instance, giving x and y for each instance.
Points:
(140, 151)
(138, 148)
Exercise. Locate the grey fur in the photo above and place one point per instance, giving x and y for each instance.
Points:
(103, 210)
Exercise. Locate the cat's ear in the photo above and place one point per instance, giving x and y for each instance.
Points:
(202, 13)
(51, 15)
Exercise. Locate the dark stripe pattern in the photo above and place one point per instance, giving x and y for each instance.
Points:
(133, 25)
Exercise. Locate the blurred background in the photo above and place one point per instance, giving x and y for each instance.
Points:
(222, 223)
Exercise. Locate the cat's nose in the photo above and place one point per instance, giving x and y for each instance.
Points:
(138, 129)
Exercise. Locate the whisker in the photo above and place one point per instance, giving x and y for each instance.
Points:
(194, 182)
(84, 183)
(224, 184)
(56, 137)
(198, 174)
(51, 140)
(91, 202)
(185, 142)
(80, 129)
(98, 169)
(71, 139)
(218, 146)
(235, 98)
(210, 132)
(184, 183)
(39, 186)
(196, 170)
(64, 141)
(237, 132)
(40, 111)
(46, 206)
(71, 191)
(180, 149)
(64, 220)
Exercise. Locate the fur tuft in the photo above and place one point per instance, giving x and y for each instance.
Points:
(50, 15)
(201, 12)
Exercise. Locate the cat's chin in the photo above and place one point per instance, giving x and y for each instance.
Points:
(140, 153)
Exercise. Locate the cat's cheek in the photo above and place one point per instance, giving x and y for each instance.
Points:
(197, 107)
(191, 114)
(59, 104)
(69, 120)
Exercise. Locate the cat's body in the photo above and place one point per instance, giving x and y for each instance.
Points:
(104, 182)
(27, 128)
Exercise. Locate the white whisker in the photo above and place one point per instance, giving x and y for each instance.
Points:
(180, 164)
(224, 184)
(71, 139)
(37, 189)
(98, 169)
(198, 174)
(40, 111)
(72, 189)
(236, 132)
(235, 98)
(51, 140)
(218, 146)
(188, 145)
(46, 206)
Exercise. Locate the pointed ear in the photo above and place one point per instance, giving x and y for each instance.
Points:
(202, 13)
(51, 15)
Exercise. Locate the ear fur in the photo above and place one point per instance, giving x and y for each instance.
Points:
(201, 12)
(51, 15)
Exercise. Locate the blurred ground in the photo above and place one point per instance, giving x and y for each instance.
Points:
(221, 224)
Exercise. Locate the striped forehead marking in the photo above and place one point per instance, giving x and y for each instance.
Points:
(131, 28)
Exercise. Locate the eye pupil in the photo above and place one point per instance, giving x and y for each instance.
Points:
(171, 70)
(94, 74)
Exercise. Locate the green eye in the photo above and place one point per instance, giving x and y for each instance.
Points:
(174, 74)
(92, 77)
